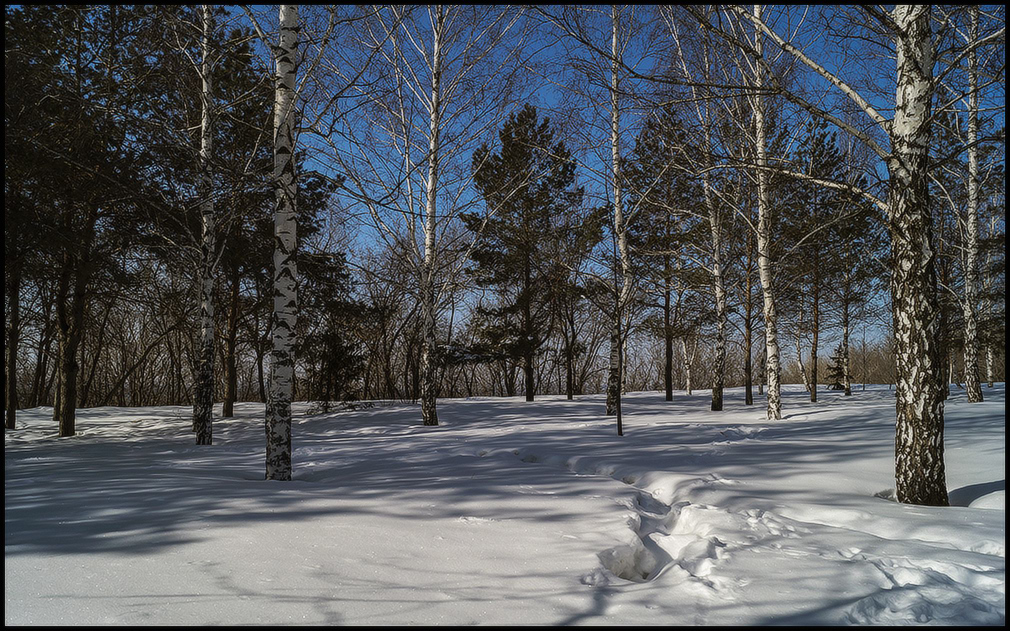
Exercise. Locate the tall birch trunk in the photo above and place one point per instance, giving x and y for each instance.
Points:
(919, 472)
(428, 368)
(816, 331)
(972, 385)
(765, 270)
(718, 281)
(616, 373)
(203, 398)
(846, 376)
(282, 357)
(718, 292)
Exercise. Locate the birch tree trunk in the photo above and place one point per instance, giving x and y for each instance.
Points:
(765, 270)
(718, 291)
(429, 385)
(918, 450)
(972, 385)
(203, 399)
(620, 229)
(846, 376)
(282, 358)
(816, 331)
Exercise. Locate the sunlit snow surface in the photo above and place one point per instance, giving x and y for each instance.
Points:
(508, 513)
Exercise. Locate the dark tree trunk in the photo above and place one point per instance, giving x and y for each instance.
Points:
(96, 356)
(230, 362)
(613, 376)
(13, 266)
(748, 327)
(569, 370)
(667, 334)
(70, 326)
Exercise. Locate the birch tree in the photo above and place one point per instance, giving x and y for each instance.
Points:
(203, 400)
(972, 385)
(439, 81)
(285, 276)
(597, 41)
(704, 164)
(624, 287)
(919, 465)
(764, 237)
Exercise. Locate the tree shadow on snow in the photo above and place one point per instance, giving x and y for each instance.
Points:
(965, 495)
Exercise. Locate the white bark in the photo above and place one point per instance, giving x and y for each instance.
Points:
(429, 374)
(285, 308)
(718, 284)
(688, 362)
(919, 467)
(765, 268)
(847, 376)
(972, 385)
(620, 228)
(203, 400)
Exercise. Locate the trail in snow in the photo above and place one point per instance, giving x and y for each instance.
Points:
(701, 543)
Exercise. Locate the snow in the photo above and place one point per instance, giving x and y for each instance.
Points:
(508, 513)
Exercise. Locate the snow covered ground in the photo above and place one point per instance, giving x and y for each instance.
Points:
(509, 513)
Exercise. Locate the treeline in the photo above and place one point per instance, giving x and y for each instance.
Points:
(363, 203)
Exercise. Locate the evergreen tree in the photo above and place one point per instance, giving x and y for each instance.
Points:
(813, 221)
(837, 377)
(663, 191)
(527, 185)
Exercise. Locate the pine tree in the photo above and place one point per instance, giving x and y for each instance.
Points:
(837, 377)
(661, 188)
(530, 182)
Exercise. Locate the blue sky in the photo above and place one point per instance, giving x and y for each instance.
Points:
(866, 66)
